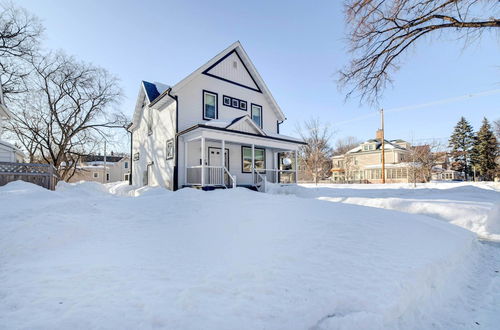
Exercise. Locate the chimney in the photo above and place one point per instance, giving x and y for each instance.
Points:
(379, 134)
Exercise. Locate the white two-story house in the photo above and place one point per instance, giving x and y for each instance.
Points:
(218, 127)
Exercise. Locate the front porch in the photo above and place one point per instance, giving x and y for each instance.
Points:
(247, 161)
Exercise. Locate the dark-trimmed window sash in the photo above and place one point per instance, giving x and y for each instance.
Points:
(246, 159)
(209, 105)
(257, 114)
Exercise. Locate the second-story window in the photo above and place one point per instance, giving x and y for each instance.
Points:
(209, 105)
(257, 114)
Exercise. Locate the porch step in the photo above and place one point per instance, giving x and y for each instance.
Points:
(206, 188)
(210, 188)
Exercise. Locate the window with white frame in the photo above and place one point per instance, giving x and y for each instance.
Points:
(95, 175)
(170, 149)
(257, 114)
(246, 159)
(209, 105)
(125, 165)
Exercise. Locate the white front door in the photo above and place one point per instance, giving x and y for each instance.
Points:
(214, 159)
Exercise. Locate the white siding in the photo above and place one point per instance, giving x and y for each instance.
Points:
(191, 103)
(152, 148)
(232, 68)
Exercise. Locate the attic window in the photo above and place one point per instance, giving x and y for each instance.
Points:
(235, 64)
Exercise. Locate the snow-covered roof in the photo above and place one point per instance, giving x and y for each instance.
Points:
(153, 90)
(398, 165)
(389, 145)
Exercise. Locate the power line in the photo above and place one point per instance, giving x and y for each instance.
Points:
(424, 105)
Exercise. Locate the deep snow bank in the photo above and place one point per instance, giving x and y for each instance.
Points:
(222, 260)
(468, 205)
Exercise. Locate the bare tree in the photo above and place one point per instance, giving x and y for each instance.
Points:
(316, 155)
(497, 128)
(380, 31)
(422, 160)
(343, 145)
(20, 34)
(66, 112)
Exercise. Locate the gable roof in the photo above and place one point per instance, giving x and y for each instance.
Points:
(153, 90)
(220, 68)
(237, 123)
(206, 68)
(378, 146)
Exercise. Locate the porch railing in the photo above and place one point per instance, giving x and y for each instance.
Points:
(263, 177)
(212, 176)
(278, 176)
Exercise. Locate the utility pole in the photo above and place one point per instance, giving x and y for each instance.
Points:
(383, 143)
(105, 179)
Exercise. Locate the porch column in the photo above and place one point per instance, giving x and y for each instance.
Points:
(202, 161)
(222, 162)
(253, 158)
(276, 166)
(223, 158)
(296, 167)
(185, 162)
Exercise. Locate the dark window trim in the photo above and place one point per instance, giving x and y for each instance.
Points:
(230, 81)
(173, 149)
(250, 147)
(231, 99)
(228, 159)
(216, 104)
(261, 114)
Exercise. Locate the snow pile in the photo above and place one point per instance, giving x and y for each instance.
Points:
(463, 204)
(492, 224)
(228, 259)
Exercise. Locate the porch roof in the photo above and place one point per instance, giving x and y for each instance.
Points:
(244, 137)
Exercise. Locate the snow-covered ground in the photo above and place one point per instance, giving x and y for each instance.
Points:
(90, 256)
(474, 206)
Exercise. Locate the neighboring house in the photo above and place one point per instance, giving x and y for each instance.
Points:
(440, 174)
(8, 152)
(94, 168)
(442, 171)
(364, 163)
(178, 132)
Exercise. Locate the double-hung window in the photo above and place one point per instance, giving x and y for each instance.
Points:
(209, 105)
(246, 157)
(257, 114)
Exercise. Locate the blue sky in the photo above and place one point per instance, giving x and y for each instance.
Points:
(297, 46)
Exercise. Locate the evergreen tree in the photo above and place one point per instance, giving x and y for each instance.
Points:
(461, 144)
(485, 151)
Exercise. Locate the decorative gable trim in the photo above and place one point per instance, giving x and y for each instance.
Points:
(247, 120)
(206, 72)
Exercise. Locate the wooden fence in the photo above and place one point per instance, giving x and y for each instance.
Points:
(44, 175)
